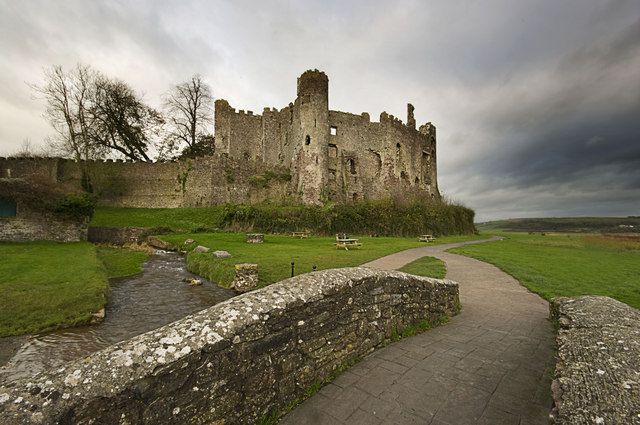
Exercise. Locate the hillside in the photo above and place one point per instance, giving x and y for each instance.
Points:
(565, 224)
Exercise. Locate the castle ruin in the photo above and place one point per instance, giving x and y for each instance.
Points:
(332, 155)
(303, 153)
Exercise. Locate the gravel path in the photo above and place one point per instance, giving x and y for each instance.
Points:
(491, 364)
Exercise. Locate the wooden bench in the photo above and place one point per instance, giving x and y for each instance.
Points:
(301, 235)
(344, 242)
(426, 238)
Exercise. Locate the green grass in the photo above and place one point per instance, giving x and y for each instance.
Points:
(567, 265)
(186, 219)
(275, 255)
(426, 266)
(121, 262)
(45, 285)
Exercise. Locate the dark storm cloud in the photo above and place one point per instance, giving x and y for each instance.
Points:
(537, 104)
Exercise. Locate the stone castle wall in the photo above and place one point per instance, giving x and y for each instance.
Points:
(198, 182)
(238, 361)
(330, 156)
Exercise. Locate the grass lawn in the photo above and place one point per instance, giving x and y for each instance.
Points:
(187, 219)
(274, 256)
(567, 265)
(426, 266)
(121, 262)
(45, 285)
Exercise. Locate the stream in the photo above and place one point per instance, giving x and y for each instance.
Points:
(136, 305)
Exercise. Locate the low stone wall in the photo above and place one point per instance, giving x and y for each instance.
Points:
(36, 226)
(123, 235)
(597, 379)
(237, 361)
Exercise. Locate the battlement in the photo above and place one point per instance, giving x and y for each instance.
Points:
(313, 81)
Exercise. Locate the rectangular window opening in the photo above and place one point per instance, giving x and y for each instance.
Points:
(334, 131)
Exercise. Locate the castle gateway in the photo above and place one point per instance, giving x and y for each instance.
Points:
(302, 153)
(332, 155)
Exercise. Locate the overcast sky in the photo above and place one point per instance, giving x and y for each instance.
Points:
(537, 103)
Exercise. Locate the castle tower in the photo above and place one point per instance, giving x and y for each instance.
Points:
(313, 112)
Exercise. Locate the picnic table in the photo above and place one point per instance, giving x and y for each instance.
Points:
(301, 235)
(426, 238)
(342, 241)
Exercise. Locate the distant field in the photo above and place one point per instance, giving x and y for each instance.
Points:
(275, 255)
(565, 225)
(568, 265)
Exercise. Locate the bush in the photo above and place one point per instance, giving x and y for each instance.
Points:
(76, 206)
(371, 217)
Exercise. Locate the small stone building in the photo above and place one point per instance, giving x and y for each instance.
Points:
(27, 213)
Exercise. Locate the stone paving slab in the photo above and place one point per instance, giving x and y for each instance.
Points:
(491, 364)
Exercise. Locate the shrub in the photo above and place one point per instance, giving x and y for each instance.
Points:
(76, 206)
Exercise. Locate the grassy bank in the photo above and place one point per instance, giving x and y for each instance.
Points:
(275, 255)
(426, 266)
(567, 265)
(186, 219)
(45, 285)
(121, 262)
(371, 217)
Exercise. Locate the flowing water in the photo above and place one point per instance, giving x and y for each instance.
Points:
(136, 305)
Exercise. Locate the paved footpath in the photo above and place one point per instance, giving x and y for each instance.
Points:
(492, 364)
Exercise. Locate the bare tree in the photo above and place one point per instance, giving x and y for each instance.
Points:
(189, 110)
(121, 121)
(68, 97)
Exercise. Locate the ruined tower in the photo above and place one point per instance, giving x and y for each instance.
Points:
(312, 105)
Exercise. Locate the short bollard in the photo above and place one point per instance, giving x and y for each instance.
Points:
(255, 237)
(246, 277)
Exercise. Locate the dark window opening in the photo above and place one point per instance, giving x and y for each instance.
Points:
(307, 140)
(352, 165)
(403, 175)
(397, 151)
(417, 180)
(355, 197)
(7, 208)
(334, 131)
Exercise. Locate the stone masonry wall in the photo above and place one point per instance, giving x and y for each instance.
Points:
(199, 182)
(362, 160)
(32, 225)
(237, 361)
(597, 378)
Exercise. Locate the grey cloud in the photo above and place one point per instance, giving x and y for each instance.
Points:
(536, 103)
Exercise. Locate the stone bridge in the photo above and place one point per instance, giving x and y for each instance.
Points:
(245, 359)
